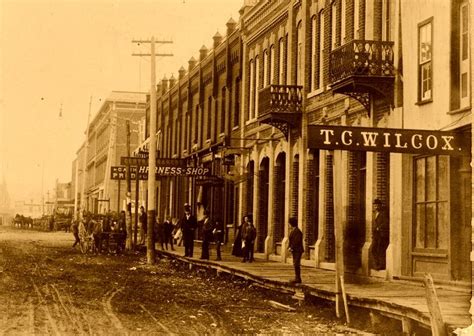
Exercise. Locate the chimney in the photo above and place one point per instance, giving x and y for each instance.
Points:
(217, 40)
(192, 63)
(182, 73)
(231, 24)
(172, 81)
(164, 85)
(202, 53)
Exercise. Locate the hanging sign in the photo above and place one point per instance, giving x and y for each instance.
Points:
(388, 140)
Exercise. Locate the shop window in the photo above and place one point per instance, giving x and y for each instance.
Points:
(431, 215)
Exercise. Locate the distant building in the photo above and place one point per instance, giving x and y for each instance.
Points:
(6, 210)
(30, 208)
(105, 146)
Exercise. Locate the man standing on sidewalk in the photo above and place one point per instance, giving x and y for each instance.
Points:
(188, 226)
(296, 248)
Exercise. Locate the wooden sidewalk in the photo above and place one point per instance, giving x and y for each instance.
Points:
(402, 300)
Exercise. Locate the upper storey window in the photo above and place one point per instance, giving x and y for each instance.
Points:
(425, 62)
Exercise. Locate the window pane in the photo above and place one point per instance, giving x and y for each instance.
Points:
(420, 226)
(430, 225)
(464, 32)
(420, 180)
(443, 225)
(464, 85)
(426, 81)
(425, 43)
(443, 188)
(431, 178)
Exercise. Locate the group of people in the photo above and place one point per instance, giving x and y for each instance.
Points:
(212, 231)
(100, 227)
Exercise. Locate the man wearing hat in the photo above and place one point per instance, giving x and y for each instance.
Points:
(380, 235)
(296, 248)
(188, 226)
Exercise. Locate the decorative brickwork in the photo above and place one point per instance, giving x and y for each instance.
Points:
(312, 201)
(329, 207)
(382, 166)
(294, 188)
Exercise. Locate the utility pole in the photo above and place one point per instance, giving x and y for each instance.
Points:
(84, 165)
(150, 241)
(129, 243)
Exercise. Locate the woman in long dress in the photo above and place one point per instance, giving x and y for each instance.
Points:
(237, 245)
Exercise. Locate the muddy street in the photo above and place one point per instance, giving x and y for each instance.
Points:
(49, 288)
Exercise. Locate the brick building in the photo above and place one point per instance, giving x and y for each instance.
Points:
(106, 144)
(197, 116)
(290, 67)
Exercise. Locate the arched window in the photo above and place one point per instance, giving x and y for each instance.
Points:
(271, 64)
(281, 62)
(299, 54)
(223, 109)
(251, 89)
(314, 49)
(257, 86)
(265, 68)
(237, 102)
(321, 51)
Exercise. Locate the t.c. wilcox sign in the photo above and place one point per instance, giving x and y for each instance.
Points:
(388, 140)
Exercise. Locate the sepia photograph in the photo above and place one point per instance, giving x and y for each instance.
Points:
(236, 167)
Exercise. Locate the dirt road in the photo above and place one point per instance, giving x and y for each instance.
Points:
(49, 288)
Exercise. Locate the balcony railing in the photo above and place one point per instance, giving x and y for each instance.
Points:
(280, 99)
(362, 58)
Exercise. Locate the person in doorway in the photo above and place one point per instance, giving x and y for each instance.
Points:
(380, 236)
(218, 234)
(296, 248)
(188, 226)
(207, 228)
(249, 233)
(143, 225)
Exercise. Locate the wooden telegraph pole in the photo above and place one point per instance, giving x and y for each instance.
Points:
(150, 241)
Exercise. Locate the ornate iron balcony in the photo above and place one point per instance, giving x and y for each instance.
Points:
(280, 106)
(362, 58)
(362, 69)
(280, 99)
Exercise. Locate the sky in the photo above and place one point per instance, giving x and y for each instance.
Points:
(57, 54)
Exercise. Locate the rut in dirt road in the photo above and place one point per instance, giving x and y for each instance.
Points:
(49, 288)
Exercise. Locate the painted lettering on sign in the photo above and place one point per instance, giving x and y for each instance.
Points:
(120, 172)
(388, 140)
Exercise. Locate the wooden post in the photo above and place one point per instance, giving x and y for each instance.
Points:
(118, 198)
(338, 171)
(344, 297)
(137, 190)
(438, 328)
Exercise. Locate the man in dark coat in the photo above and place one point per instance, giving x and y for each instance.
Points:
(296, 248)
(207, 228)
(380, 235)
(218, 234)
(188, 227)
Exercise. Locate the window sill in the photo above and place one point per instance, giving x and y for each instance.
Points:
(315, 93)
(424, 102)
(460, 110)
(235, 128)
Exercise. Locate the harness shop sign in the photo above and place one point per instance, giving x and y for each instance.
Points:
(388, 140)
(119, 172)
